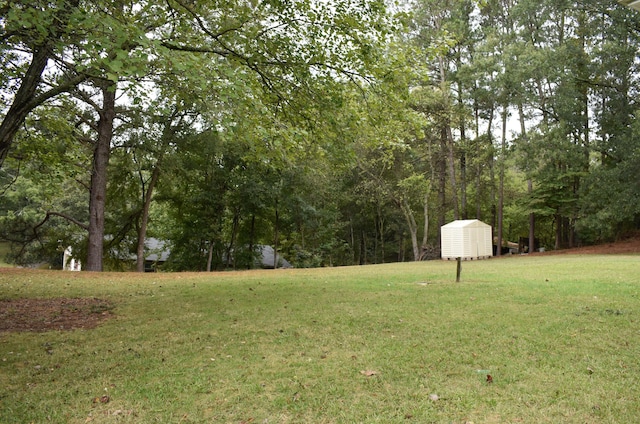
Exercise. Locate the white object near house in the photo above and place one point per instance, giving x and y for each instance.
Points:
(69, 263)
(466, 239)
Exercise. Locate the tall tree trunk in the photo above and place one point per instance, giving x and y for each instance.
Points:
(425, 234)
(167, 136)
(375, 238)
(494, 202)
(382, 246)
(442, 183)
(232, 242)
(478, 190)
(210, 256)
(525, 139)
(275, 238)
(532, 221)
(363, 248)
(558, 242)
(252, 234)
(492, 185)
(452, 171)
(480, 163)
(144, 219)
(21, 105)
(352, 234)
(98, 191)
(380, 231)
(463, 185)
(503, 149)
(447, 135)
(463, 166)
(413, 227)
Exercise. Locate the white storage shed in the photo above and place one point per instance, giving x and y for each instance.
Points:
(466, 239)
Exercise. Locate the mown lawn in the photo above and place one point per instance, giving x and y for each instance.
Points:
(397, 343)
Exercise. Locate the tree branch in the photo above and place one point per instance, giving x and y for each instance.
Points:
(191, 49)
(61, 215)
(13, 180)
(203, 27)
(63, 87)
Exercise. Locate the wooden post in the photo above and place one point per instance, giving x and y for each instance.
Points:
(459, 270)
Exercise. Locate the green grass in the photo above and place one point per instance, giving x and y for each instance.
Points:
(559, 334)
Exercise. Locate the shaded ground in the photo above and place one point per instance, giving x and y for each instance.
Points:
(626, 246)
(52, 314)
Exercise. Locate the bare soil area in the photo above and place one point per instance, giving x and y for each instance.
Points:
(52, 314)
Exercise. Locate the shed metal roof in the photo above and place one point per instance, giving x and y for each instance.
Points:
(464, 223)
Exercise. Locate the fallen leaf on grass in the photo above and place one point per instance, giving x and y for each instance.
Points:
(123, 412)
(489, 378)
(101, 399)
(368, 373)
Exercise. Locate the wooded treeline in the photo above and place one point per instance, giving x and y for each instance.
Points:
(341, 133)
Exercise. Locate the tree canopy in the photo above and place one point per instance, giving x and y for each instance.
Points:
(342, 132)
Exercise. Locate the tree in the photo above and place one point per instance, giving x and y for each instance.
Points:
(394, 164)
(281, 47)
(608, 196)
(315, 128)
(44, 182)
(42, 30)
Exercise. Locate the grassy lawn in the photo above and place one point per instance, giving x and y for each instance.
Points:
(397, 343)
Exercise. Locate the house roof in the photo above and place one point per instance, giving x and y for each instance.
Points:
(267, 258)
(466, 223)
(157, 250)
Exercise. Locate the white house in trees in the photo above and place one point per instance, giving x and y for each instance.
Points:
(69, 263)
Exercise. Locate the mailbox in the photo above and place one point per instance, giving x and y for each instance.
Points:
(466, 239)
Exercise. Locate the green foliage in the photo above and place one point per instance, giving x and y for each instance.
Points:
(333, 131)
(610, 204)
(228, 64)
(46, 173)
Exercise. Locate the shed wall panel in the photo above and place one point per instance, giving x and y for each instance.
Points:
(468, 239)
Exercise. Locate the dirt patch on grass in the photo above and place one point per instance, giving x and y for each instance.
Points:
(52, 314)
